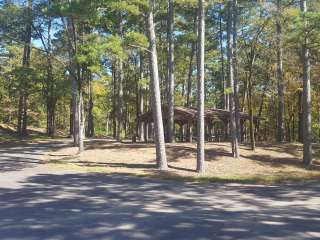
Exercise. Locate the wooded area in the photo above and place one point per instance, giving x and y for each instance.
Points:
(95, 68)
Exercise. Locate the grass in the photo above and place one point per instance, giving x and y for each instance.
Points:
(8, 134)
(167, 175)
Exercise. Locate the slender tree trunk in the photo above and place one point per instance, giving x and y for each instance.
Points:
(300, 117)
(223, 80)
(114, 98)
(90, 130)
(171, 72)
(75, 110)
(141, 98)
(232, 108)
(250, 108)
(75, 74)
(280, 125)
(120, 102)
(23, 98)
(306, 106)
(71, 118)
(155, 88)
(51, 97)
(120, 90)
(235, 69)
(192, 53)
(200, 79)
(81, 122)
(249, 99)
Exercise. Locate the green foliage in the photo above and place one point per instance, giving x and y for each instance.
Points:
(136, 39)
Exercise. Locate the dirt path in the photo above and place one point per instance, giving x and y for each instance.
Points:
(39, 203)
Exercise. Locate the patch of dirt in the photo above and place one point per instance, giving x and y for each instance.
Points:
(139, 158)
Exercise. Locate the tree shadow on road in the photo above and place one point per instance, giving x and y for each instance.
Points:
(96, 206)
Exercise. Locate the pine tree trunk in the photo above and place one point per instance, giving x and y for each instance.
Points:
(141, 99)
(223, 80)
(71, 118)
(23, 98)
(75, 75)
(235, 75)
(280, 118)
(75, 110)
(231, 87)
(81, 122)
(251, 120)
(300, 117)
(90, 130)
(114, 98)
(120, 103)
(156, 99)
(200, 80)
(192, 54)
(306, 106)
(51, 98)
(171, 72)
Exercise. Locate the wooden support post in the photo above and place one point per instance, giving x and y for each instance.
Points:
(190, 133)
(226, 130)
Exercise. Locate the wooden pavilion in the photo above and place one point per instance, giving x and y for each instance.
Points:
(216, 123)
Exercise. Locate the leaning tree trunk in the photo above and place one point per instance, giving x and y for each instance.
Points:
(171, 73)
(200, 79)
(156, 99)
(250, 106)
(233, 125)
(280, 118)
(306, 106)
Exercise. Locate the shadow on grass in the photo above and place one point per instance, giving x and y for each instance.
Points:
(16, 156)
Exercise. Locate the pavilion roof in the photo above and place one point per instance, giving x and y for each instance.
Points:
(185, 115)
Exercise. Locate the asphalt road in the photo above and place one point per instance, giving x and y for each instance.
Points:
(42, 204)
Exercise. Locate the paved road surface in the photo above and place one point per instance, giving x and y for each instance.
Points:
(42, 204)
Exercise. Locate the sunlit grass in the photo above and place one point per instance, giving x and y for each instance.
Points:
(155, 174)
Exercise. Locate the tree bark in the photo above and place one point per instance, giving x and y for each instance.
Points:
(120, 90)
(141, 99)
(171, 72)
(235, 69)
(90, 128)
(223, 80)
(306, 106)
(23, 98)
(280, 118)
(114, 98)
(200, 79)
(192, 53)
(231, 87)
(51, 96)
(155, 88)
